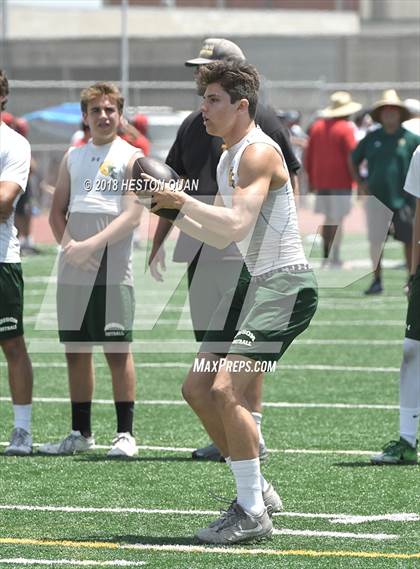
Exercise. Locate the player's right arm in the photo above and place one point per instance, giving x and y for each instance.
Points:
(197, 231)
(416, 239)
(60, 204)
(14, 177)
(355, 158)
(157, 254)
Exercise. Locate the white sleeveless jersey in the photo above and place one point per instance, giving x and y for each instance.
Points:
(15, 161)
(97, 176)
(275, 241)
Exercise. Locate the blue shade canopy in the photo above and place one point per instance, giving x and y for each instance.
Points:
(68, 113)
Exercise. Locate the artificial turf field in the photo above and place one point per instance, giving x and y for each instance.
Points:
(331, 402)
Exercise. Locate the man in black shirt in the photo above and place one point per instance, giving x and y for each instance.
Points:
(211, 272)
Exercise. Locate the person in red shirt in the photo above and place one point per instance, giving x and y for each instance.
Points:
(332, 138)
(135, 132)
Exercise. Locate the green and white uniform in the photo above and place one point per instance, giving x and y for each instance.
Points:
(15, 160)
(276, 295)
(412, 186)
(97, 307)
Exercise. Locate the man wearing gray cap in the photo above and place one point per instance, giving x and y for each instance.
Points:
(194, 156)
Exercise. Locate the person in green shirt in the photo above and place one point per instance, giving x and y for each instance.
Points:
(387, 152)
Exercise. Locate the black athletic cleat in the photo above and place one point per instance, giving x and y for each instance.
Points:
(212, 453)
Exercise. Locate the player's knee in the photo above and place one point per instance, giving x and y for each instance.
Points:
(193, 393)
(13, 348)
(221, 394)
(411, 350)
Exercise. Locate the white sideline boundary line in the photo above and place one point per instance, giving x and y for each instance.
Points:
(190, 449)
(302, 367)
(74, 562)
(401, 517)
(178, 402)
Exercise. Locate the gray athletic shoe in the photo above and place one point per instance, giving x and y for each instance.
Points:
(211, 452)
(20, 443)
(236, 526)
(272, 501)
(74, 443)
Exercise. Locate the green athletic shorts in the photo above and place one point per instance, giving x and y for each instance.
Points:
(11, 305)
(108, 317)
(264, 314)
(413, 313)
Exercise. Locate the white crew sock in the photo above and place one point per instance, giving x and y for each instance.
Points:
(410, 391)
(23, 415)
(248, 485)
(258, 418)
(263, 481)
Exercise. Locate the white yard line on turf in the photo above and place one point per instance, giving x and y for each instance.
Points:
(335, 534)
(332, 518)
(177, 402)
(271, 450)
(171, 345)
(185, 323)
(313, 367)
(348, 323)
(323, 305)
(75, 562)
(354, 520)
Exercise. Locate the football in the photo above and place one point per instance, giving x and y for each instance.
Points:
(162, 172)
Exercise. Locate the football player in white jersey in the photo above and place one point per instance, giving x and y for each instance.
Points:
(93, 215)
(404, 450)
(273, 302)
(15, 159)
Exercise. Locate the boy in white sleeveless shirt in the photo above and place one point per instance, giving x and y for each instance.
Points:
(15, 159)
(272, 303)
(93, 216)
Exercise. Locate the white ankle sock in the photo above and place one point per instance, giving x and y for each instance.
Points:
(409, 422)
(264, 483)
(410, 391)
(248, 485)
(23, 415)
(258, 419)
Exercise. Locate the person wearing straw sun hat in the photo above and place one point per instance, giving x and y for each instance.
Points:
(387, 151)
(332, 138)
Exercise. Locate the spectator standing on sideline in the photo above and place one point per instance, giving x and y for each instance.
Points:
(387, 152)
(194, 155)
(332, 138)
(413, 124)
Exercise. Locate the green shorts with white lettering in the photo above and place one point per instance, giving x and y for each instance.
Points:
(96, 315)
(412, 329)
(11, 305)
(261, 317)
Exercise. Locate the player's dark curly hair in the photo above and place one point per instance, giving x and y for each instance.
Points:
(4, 88)
(239, 80)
